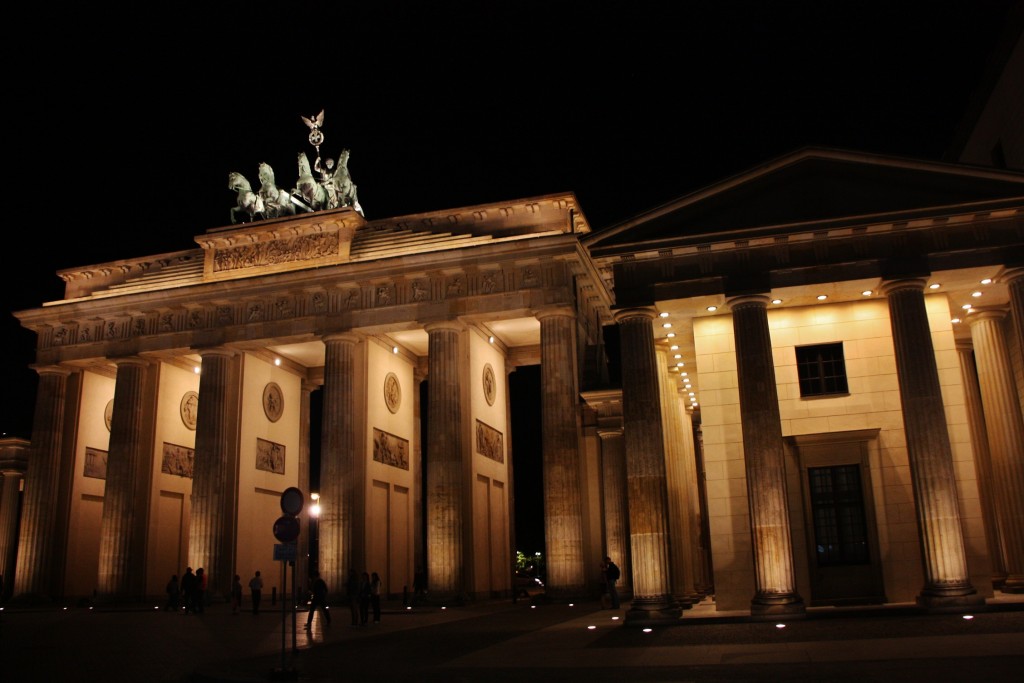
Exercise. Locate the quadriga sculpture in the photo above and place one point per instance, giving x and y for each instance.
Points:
(249, 203)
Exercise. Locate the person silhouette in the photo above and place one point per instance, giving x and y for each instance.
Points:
(256, 591)
(319, 602)
(375, 584)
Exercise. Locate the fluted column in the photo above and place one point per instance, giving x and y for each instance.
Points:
(680, 516)
(302, 550)
(764, 460)
(563, 508)
(1005, 438)
(338, 460)
(38, 570)
(13, 463)
(446, 485)
(645, 470)
(947, 581)
(1014, 279)
(122, 563)
(616, 504)
(211, 525)
(982, 458)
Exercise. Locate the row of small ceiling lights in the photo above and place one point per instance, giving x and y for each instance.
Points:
(680, 364)
(678, 358)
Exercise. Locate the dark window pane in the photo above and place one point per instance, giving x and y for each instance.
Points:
(837, 508)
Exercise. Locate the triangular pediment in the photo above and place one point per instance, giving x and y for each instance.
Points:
(809, 187)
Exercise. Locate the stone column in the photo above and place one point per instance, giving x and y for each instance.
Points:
(212, 524)
(645, 471)
(122, 570)
(560, 433)
(38, 571)
(13, 463)
(338, 460)
(680, 516)
(1005, 438)
(446, 485)
(947, 581)
(1014, 279)
(419, 374)
(982, 458)
(616, 505)
(764, 460)
(302, 557)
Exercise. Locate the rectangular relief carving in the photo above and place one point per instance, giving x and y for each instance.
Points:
(95, 463)
(178, 460)
(269, 456)
(489, 442)
(390, 449)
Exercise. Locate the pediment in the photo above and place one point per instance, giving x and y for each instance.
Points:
(808, 187)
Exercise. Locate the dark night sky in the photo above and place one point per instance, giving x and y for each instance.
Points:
(122, 129)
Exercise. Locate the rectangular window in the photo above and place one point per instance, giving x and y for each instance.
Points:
(821, 370)
(837, 507)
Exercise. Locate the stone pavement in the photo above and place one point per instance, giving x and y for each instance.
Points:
(505, 641)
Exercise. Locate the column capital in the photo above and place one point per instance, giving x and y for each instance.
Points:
(221, 351)
(890, 286)
(130, 360)
(986, 313)
(347, 336)
(1011, 275)
(757, 300)
(453, 325)
(553, 311)
(625, 314)
(53, 370)
(609, 432)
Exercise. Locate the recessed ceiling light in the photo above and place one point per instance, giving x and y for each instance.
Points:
(670, 335)
(196, 369)
(822, 297)
(664, 314)
(712, 308)
(975, 294)
(867, 292)
(490, 339)
(666, 325)
(394, 349)
(955, 320)
(277, 361)
(934, 285)
(679, 365)
(776, 301)
(674, 347)
(987, 281)
(678, 356)
(966, 307)
(684, 374)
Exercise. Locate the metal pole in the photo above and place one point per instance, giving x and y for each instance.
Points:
(284, 612)
(295, 597)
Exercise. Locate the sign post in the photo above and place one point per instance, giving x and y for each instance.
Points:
(286, 530)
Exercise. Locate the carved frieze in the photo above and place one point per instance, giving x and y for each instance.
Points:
(298, 249)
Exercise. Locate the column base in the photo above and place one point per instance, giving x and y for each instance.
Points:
(950, 603)
(788, 605)
(652, 613)
(1013, 583)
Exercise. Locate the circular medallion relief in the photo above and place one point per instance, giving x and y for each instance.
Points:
(273, 401)
(489, 384)
(189, 409)
(392, 392)
(108, 413)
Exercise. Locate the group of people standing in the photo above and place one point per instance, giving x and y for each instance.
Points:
(363, 592)
(191, 590)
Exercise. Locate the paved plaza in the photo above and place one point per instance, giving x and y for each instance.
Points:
(503, 641)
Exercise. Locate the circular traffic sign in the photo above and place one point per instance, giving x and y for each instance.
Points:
(292, 501)
(286, 529)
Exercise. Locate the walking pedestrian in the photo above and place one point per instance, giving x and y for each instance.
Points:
(364, 599)
(319, 601)
(611, 575)
(352, 593)
(375, 583)
(256, 591)
(188, 590)
(200, 591)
